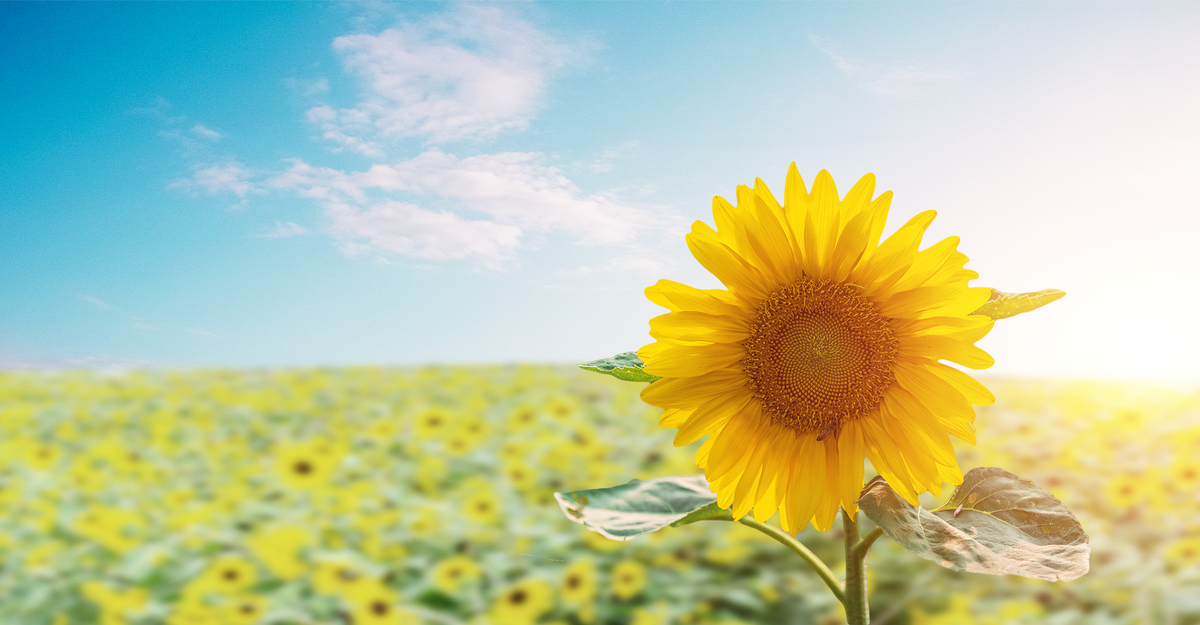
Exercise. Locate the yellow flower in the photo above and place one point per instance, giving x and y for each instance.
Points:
(521, 417)
(450, 573)
(578, 582)
(41, 456)
(377, 606)
(1124, 492)
(628, 579)
(278, 549)
(424, 522)
(432, 423)
(1185, 475)
(459, 444)
(482, 506)
(115, 602)
(560, 408)
(245, 610)
(658, 615)
(228, 574)
(305, 466)
(431, 471)
(336, 577)
(1184, 552)
(824, 349)
(519, 473)
(522, 603)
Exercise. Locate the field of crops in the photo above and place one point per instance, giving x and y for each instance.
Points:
(386, 496)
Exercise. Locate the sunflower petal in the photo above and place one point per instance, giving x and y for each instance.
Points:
(679, 297)
(674, 417)
(732, 270)
(946, 348)
(677, 361)
(711, 416)
(830, 497)
(850, 464)
(688, 325)
(692, 391)
(808, 483)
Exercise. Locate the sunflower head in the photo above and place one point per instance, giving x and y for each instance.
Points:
(824, 348)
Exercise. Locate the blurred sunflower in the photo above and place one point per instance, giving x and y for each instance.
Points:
(304, 466)
(432, 423)
(824, 349)
(628, 579)
(245, 610)
(579, 582)
(450, 574)
(522, 603)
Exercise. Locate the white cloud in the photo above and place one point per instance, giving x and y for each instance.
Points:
(203, 333)
(473, 74)
(284, 231)
(409, 230)
(515, 192)
(898, 82)
(335, 125)
(604, 163)
(231, 178)
(206, 133)
(95, 301)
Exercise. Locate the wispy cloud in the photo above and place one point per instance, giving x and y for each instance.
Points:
(887, 80)
(284, 231)
(95, 301)
(469, 75)
(215, 179)
(515, 191)
(608, 157)
(206, 133)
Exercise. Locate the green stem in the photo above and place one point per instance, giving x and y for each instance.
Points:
(857, 610)
(864, 545)
(811, 558)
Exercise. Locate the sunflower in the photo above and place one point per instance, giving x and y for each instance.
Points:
(450, 574)
(825, 348)
(578, 582)
(522, 603)
(628, 579)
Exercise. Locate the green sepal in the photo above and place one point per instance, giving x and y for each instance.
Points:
(626, 366)
(1003, 305)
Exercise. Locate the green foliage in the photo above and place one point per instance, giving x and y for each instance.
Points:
(710, 512)
(994, 523)
(629, 510)
(626, 366)
(1003, 305)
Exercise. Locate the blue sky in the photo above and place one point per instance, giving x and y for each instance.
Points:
(246, 184)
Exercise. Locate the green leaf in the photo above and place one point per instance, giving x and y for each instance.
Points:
(626, 366)
(994, 523)
(710, 512)
(626, 511)
(1003, 305)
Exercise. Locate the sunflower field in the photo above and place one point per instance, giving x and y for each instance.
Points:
(365, 496)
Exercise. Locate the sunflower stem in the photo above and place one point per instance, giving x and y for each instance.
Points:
(864, 545)
(805, 554)
(858, 612)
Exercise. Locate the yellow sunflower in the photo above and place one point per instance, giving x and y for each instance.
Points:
(824, 348)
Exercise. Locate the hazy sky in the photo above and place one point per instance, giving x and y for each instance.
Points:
(243, 184)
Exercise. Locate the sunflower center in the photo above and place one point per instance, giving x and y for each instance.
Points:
(819, 355)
